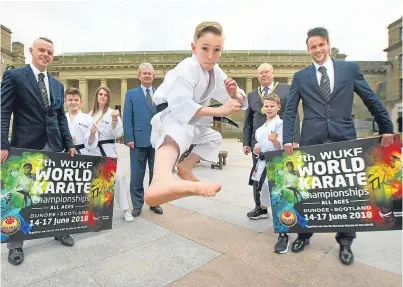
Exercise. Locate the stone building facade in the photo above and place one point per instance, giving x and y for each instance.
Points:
(393, 100)
(118, 71)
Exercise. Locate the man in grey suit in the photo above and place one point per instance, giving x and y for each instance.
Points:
(327, 89)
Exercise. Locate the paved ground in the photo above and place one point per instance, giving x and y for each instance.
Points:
(204, 242)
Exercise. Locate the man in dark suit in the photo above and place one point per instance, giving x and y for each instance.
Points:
(35, 99)
(254, 119)
(327, 89)
(138, 110)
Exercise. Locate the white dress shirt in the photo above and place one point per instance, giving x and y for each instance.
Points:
(150, 89)
(329, 70)
(270, 90)
(45, 79)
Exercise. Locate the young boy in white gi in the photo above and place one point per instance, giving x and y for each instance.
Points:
(269, 137)
(81, 126)
(187, 91)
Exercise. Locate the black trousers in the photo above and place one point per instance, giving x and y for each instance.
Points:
(256, 193)
(343, 238)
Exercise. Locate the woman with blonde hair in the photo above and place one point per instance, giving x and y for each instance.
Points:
(110, 128)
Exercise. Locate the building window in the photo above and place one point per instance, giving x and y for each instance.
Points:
(400, 63)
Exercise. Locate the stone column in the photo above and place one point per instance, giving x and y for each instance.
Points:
(248, 85)
(83, 87)
(123, 90)
(104, 83)
(289, 80)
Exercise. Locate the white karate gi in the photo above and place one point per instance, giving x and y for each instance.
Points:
(80, 129)
(265, 145)
(106, 132)
(186, 89)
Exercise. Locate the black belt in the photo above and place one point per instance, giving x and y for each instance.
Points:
(78, 147)
(100, 143)
(163, 106)
(262, 176)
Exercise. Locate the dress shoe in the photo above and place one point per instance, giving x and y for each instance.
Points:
(136, 212)
(157, 209)
(65, 240)
(299, 244)
(16, 256)
(346, 255)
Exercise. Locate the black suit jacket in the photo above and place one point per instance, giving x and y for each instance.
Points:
(254, 118)
(33, 126)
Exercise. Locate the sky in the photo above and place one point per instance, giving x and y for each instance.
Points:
(357, 28)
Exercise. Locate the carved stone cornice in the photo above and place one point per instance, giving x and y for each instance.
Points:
(168, 60)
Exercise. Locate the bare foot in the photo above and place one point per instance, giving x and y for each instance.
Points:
(165, 190)
(186, 173)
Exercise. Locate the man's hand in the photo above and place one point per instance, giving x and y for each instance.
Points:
(72, 152)
(130, 145)
(229, 107)
(246, 150)
(387, 139)
(289, 148)
(232, 88)
(4, 155)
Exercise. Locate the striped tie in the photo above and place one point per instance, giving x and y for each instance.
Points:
(265, 91)
(325, 83)
(42, 88)
(149, 100)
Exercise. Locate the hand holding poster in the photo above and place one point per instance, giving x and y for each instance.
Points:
(337, 187)
(46, 194)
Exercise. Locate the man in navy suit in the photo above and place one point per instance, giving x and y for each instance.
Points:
(327, 89)
(138, 111)
(35, 99)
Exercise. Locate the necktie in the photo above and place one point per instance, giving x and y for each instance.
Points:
(265, 91)
(324, 83)
(149, 100)
(43, 90)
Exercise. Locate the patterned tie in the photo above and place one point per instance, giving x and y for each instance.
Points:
(149, 100)
(265, 91)
(325, 83)
(43, 90)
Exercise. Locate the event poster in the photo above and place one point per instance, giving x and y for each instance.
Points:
(46, 194)
(337, 187)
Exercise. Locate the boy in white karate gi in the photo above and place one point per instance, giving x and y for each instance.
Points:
(82, 127)
(186, 93)
(269, 137)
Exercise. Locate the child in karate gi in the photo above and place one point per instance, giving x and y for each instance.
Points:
(269, 137)
(82, 127)
(110, 127)
(186, 93)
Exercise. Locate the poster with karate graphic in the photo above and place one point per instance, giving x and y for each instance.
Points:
(337, 187)
(46, 194)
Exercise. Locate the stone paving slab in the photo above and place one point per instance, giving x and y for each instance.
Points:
(227, 271)
(155, 264)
